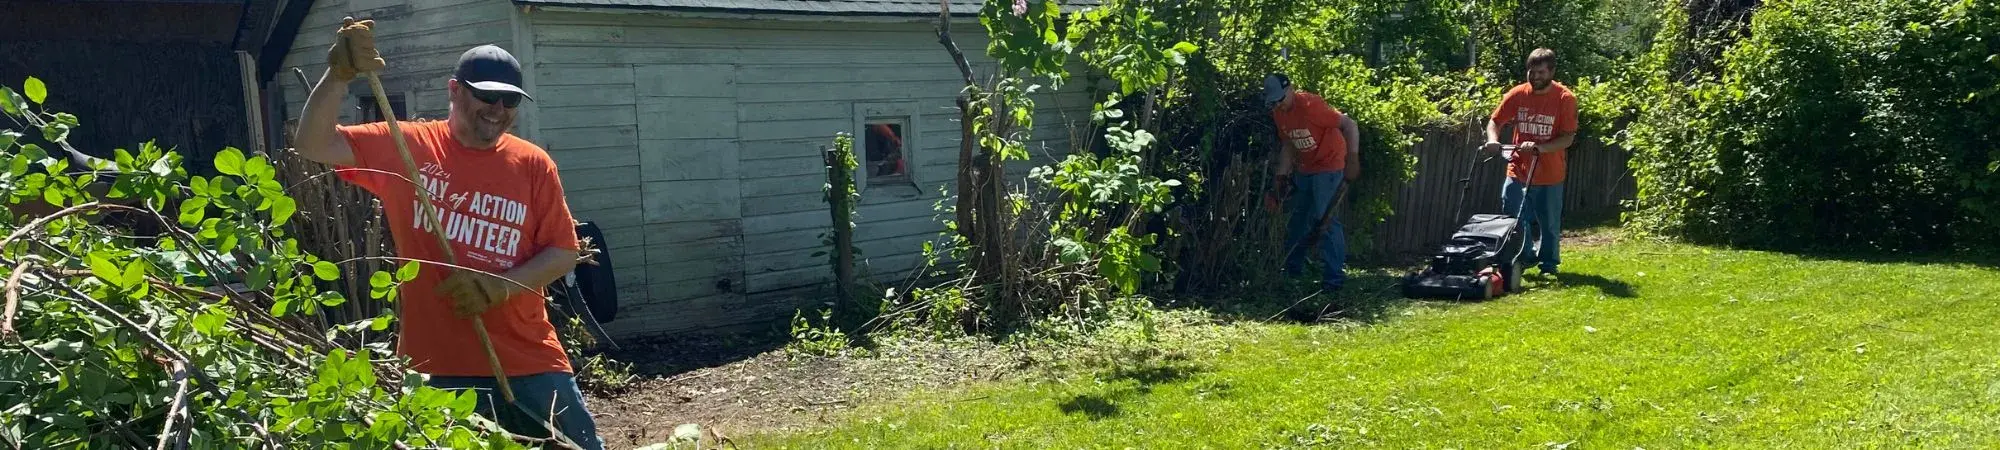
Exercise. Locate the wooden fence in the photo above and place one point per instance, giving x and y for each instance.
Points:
(1597, 182)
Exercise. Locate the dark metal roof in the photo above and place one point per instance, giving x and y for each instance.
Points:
(837, 7)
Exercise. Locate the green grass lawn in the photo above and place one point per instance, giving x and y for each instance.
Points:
(1637, 345)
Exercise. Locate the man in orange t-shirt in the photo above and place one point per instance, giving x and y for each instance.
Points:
(1322, 145)
(500, 202)
(1542, 113)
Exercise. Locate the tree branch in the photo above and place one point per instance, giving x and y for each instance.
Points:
(167, 431)
(162, 345)
(37, 224)
(944, 38)
(13, 300)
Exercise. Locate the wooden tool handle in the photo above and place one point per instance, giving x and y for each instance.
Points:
(430, 211)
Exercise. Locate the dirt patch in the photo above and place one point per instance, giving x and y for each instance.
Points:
(1591, 237)
(742, 384)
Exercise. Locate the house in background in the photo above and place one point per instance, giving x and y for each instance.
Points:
(691, 130)
(169, 71)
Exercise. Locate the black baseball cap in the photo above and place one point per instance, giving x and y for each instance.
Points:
(490, 68)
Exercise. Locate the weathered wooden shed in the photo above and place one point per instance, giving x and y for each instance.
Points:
(691, 130)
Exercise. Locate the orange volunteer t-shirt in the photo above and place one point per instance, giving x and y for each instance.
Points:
(1539, 118)
(1313, 128)
(500, 207)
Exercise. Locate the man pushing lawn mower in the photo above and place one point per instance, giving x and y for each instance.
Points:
(1542, 113)
(1485, 256)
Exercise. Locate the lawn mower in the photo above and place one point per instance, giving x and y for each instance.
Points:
(1480, 261)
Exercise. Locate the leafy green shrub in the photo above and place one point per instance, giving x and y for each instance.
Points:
(1833, 124)
(112, 344)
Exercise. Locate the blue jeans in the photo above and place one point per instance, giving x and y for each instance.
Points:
(534, 393)
(1312, 195)
(1541, 221)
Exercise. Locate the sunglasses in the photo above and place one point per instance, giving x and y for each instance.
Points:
(508, 99)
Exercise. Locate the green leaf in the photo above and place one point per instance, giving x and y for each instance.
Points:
(36, 90)
(7, 138)
(200, 186)
(257, 168)
(465, 402)
(10, 102)
(193, 210)
(56, 132)
(380, 323)
(223, 186)
(407, 272)
(282, 209)
(331, 298)
(209, 322)
(103, 268)
(282, 306)
(208, 228)
(135, 274)
(326, 270)
(389, 426)
(230, 162)
(1186, 47)
(54, 196)
(380, 280)
(256, 278)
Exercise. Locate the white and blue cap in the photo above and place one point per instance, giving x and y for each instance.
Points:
(490, 68)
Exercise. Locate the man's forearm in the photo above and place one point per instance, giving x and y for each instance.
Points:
(1492, 131)
(315, 129)
(1284, 159)
(1353, 139)
(1558, 143)
(544, 268)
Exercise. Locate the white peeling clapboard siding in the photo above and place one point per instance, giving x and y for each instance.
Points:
(726, 120)
(689, 159)
(420, 40)
(580, 74)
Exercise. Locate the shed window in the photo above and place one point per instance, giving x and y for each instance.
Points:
(887, 161)
(887, 147)
(371, 113)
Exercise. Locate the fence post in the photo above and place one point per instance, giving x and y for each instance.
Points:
(840, 195)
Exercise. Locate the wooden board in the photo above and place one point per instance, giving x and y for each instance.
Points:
(687, 118)
(685, 80)
(692, 200)
(688, 159)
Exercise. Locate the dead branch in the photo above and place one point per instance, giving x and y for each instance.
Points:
(36, 225)
(163, 346)
(435, 263)
(174, 410)
(13, 300)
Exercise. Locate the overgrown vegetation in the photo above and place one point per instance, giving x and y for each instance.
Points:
(1159, 198)
(1825, 125)
(115, 340)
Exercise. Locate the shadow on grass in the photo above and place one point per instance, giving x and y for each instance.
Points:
(1984, 261)
(1979, 257)
(1370, 296)
(1129, 382)
(1614, 288)
(1096, 407)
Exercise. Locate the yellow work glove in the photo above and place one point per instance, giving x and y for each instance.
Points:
(471, 293)
(353, 50)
